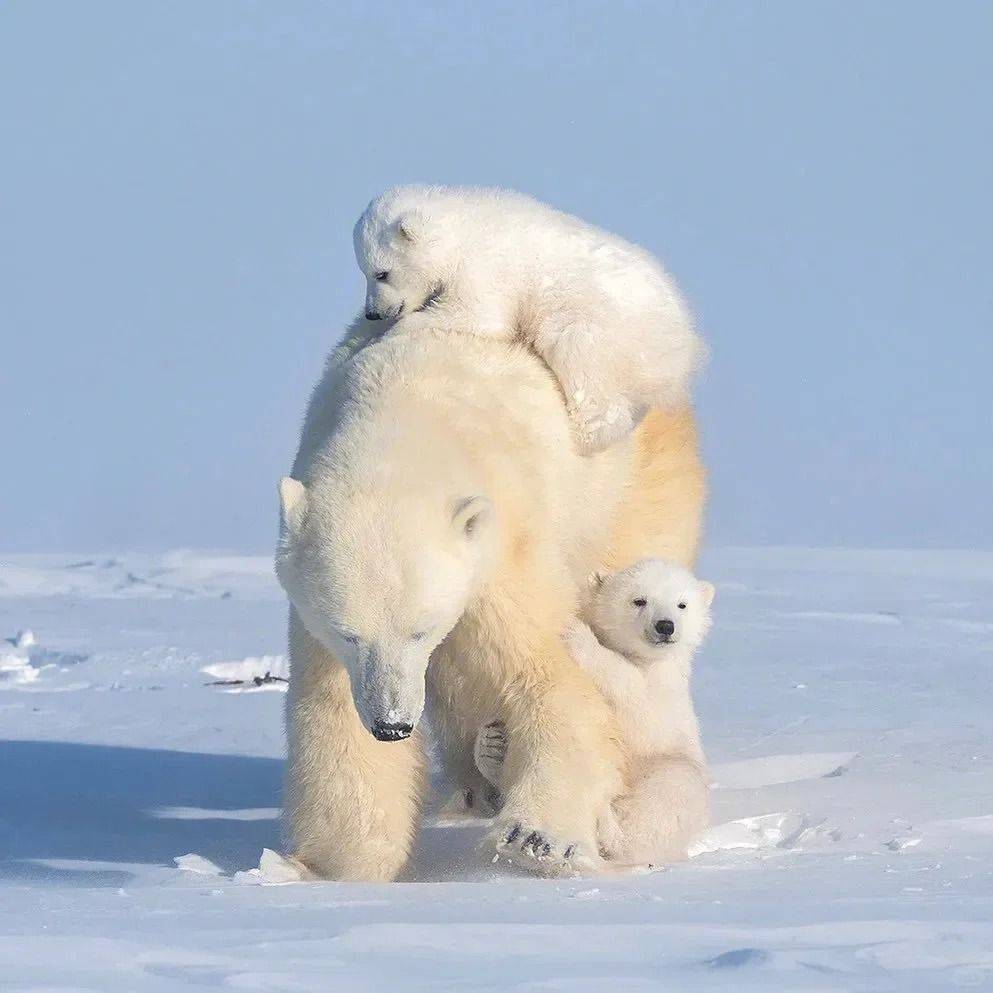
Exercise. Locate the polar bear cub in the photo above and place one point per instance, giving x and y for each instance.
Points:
(602, 313)
(644, 625)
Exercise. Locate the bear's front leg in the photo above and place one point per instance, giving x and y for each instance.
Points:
(352, 803)
(561, 770)
(446, 312)
(603, 398)
(470, 307)
(600, 422)
(562, 764)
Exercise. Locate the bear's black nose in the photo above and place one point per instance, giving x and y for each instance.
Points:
(382, 731)
(665, 628)
(372, 315)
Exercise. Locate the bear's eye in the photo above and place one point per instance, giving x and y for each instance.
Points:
(639, 601)
(418, 636)
(382, 275)
(681, 606)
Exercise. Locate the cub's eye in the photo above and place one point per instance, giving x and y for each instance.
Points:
(418, 636)
(352, 639)
(382, 275)
(639, 601)
(681, 606)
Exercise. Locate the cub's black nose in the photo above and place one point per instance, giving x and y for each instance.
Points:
(665, 628)
(372, 315)
(391, 732)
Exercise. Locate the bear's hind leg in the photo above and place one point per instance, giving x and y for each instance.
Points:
(454, 721)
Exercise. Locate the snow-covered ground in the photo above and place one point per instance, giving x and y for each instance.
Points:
(845, 698)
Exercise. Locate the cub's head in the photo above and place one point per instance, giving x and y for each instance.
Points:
(402, 251)
(645, 611)
(379, 590)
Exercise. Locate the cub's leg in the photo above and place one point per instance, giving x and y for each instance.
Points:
(654, 824)
(471, 305)
(352, 803)
(490, 750)
(664, 811)
(603, 404)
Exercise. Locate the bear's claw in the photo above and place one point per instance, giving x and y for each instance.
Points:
(526, 847)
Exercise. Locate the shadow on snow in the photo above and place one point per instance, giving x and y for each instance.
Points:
(93, 803)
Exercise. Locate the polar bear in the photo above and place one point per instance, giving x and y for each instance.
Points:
(437, 510)
(602, 313)
(644, 624)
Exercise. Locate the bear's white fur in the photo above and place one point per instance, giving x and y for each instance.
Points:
(645, 623)
(603, 313)
(437, 509)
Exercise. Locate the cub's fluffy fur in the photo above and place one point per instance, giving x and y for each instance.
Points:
(644, 624)
(602, 313)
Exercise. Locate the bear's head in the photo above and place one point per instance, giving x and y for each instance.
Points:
(402, 253)
(648, 609)
(381, 590)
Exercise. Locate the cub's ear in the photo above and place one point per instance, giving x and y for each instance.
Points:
(707, 591)
(411, 225)
(471, 514)
(292, 503)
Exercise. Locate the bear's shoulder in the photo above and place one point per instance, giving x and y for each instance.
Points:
(495, 395)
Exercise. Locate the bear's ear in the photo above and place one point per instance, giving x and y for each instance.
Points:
(410, 226)
(596, 581)
(292, 502)
(707, 591)
(471, 513)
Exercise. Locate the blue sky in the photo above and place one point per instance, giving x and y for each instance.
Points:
(179, 182)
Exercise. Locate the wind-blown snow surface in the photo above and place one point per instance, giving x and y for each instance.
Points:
(845, 700)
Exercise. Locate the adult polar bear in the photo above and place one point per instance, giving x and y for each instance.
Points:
(438, 510)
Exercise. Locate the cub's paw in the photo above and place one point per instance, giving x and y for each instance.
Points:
(610, 836)
(600, 427)
(536, 850)
(490, 750)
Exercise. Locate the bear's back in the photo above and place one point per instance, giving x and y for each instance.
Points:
(430, 409)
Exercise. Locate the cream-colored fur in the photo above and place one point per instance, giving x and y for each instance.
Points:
(602, 313)
(645, 623)
(438, 510)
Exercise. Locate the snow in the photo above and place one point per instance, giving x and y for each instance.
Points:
(771, 770)
(252, 675)
(844, 697)
(191, 862)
